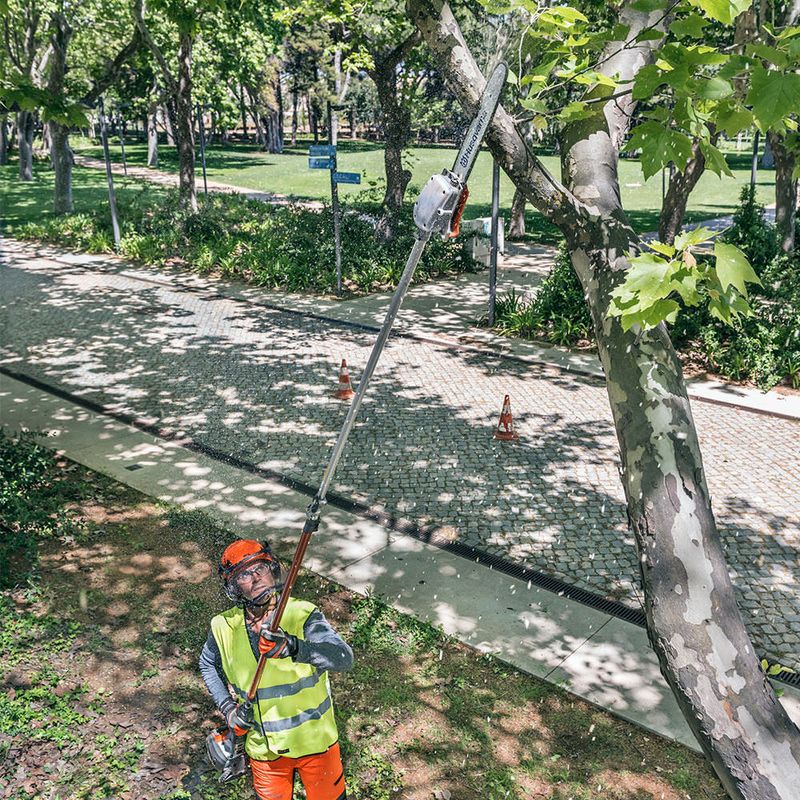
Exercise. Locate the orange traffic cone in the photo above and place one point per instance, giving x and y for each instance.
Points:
(345, 390)
(505, 428)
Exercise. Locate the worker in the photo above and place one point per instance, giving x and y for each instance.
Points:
(291, 726)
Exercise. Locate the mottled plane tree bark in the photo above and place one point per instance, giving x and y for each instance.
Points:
(693, 622)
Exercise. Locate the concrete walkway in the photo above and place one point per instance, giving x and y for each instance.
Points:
(587, 652)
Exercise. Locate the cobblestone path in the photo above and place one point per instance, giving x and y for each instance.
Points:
(257, 383)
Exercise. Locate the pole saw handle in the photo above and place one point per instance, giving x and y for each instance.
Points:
(455, 221)
(310, 526)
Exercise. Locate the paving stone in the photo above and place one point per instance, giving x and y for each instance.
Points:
(256, 383)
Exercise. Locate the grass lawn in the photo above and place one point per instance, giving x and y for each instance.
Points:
(100, 695)
(31, 201)
(288, 173)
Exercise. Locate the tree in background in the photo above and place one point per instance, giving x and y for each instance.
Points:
(618, 59)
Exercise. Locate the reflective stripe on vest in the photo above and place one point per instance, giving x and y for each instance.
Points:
(293, 709)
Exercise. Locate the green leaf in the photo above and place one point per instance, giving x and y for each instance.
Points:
(648, 5)
(563, 17)
(648, 79)
(731, 117)
(691, 26)
(724, 11)
(733, 268)
(693, 237)
(577, 110)
(773, 95)
(778, 58)
(651, 317)
(648, 279)
(534, 104)
(649, 35)
(542, 72)
(660, 247)
(659, 146)
(715, 161)
(714, 88)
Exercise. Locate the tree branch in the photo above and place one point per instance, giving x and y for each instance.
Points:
(138, 17)
(443, 36)
(112, 70)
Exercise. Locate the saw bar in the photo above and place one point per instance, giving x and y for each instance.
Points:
(490, 99)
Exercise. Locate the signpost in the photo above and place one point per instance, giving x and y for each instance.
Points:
(323, 156)
(112, 198)
(121, 124)
(493, 250)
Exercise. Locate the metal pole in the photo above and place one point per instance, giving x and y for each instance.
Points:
(121, 124)
(112, 198)
(493, 250)
(337, 235)
(202, 146)
(754, 165)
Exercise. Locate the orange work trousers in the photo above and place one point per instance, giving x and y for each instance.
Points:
(322, 775)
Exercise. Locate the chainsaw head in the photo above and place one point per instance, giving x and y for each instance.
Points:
(223, 755)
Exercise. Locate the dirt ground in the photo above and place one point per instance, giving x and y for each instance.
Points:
(101, 697)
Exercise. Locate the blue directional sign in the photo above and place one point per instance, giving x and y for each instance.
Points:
(322, 150)
(347, 177)
(321, 162)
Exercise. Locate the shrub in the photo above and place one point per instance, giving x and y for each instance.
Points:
(32, 506)
(557, 312)
(288, 248)
(751, 232)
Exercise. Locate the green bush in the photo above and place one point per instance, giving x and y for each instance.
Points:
(557, 312)
(289, 248)
(751, 232)
(33, 506)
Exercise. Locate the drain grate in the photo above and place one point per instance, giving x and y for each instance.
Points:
(614, 608)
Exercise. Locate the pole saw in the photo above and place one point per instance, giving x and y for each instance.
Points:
(437, 211)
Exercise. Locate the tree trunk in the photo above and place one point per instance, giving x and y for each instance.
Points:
(294, 117)
(170, 125)
(152, 137)
(693, 623)
(767, 160)
(680, 187)
(3, 139)
(397, 132)
(243, 111)
(60, 151)
(25, 124)
(785, 191)
(47, 143)
(516, 229)
(62, 166)
(312, 120)
(278, 114)
(185, 120)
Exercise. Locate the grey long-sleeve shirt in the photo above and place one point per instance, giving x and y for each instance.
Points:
(322, 647)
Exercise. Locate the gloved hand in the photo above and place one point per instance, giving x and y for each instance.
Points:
(240, 718)
(277, 644)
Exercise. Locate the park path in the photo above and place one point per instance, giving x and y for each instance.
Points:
(214, 362)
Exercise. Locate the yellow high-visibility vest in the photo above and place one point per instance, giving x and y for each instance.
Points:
(293, 709)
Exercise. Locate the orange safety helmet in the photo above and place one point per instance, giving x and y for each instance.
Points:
(241, 555)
